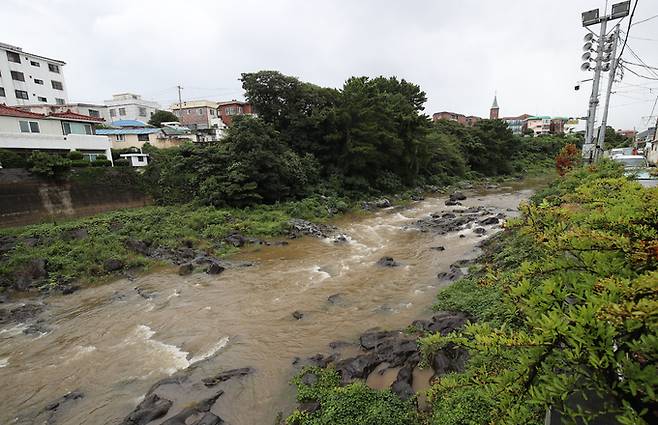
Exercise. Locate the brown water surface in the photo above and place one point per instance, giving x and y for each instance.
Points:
(113, 344)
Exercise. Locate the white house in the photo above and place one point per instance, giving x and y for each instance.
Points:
(134, 134)
(130, 106)
(57, 132)
(26, 78)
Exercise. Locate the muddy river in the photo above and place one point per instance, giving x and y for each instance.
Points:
(113, 342)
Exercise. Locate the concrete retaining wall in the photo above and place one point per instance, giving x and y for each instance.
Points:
(27, 199)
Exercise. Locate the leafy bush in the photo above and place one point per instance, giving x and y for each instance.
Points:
(48, 165)
(121, 162)
(75, 155)
(583, 304)
(11, 159)
(354, 404)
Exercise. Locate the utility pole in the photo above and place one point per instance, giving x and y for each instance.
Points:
(594, 99)
(600, 145)
(593, 149)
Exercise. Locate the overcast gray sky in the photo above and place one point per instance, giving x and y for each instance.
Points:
(459, 52)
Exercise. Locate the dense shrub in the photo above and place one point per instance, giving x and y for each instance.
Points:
(577, 291)
(11, 159)
(48, 165)
(75, 155)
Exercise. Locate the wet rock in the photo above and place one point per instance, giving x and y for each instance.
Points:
(370, 340)
(280, 243)
(185, 269)
(358, 367)
(309, 406)
(48, 415)
(299, 227)
(454, 274)
(417, 198)
(202, 407)
(144, 293)
(340, 239)
(489, 221)
(336, 345)
(445, 322)
(297, 315)
(462, 236)
(479, 231)
(501, 216)
(457, 196)
(379, 203)
(120, 296)
(335, 298)
(140, 247)
(438, 248)
(38, 328)
(75, 234)
(21, 313)
(451, 203)
(151, 408)
(387, 262)
(236, 239)
(402, 386)
(444, 223)
(112, 265)
(226, 375)
(31, 274)
(69, 289)
(73, 395)
(214, 268)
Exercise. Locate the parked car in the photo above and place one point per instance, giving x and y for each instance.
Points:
(637, 168)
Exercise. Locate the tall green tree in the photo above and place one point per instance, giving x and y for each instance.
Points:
(162, 116)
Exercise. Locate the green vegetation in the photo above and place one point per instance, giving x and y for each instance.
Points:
(566, 311)
(70, 258)
(354, 404)
(47, 165)
(161, 116)
(366, 139)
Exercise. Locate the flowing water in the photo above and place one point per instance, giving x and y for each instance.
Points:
(112, 343)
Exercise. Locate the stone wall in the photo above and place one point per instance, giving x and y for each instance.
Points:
(27, 199)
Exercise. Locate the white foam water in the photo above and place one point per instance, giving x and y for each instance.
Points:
(4, 362)
(211, 351)
(13, 331)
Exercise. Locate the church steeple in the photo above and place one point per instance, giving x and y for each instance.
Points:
(493, 112)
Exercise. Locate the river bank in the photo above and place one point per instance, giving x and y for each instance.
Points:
(239, 318)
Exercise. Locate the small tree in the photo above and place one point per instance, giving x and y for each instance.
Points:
(162, 116)
(567, 159)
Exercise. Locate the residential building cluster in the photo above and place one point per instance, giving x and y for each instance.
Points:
(524, 124)
(37, 114)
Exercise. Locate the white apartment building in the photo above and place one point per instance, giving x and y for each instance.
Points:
(57, 132)
(26, 78)
(130, 106)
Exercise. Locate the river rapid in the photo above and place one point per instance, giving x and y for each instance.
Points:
(112, 342)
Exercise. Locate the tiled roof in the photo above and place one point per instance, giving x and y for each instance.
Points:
(8, 111)
(75, 116)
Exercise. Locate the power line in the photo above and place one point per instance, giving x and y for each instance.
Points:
(645, 20)
(630, 20)
(639, 75)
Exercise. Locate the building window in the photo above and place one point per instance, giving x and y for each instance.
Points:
(113, 112)
(35, 63)
(142, 112)
(94, 113)
(38, 81)
(143, 137)
(212, 112)
(21, 94)
(57, 85)
(122, 111)
(43, 99)
(120, 137)
(2, 92)
(17, 76)
(13, 57)
(200, 111)
(59, 101)
(29, 126)
(53, 68)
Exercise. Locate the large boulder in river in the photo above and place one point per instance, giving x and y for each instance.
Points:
(151, 408)
(457, 196)
(185, 269)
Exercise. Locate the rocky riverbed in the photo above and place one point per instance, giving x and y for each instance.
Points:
(209, 346)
